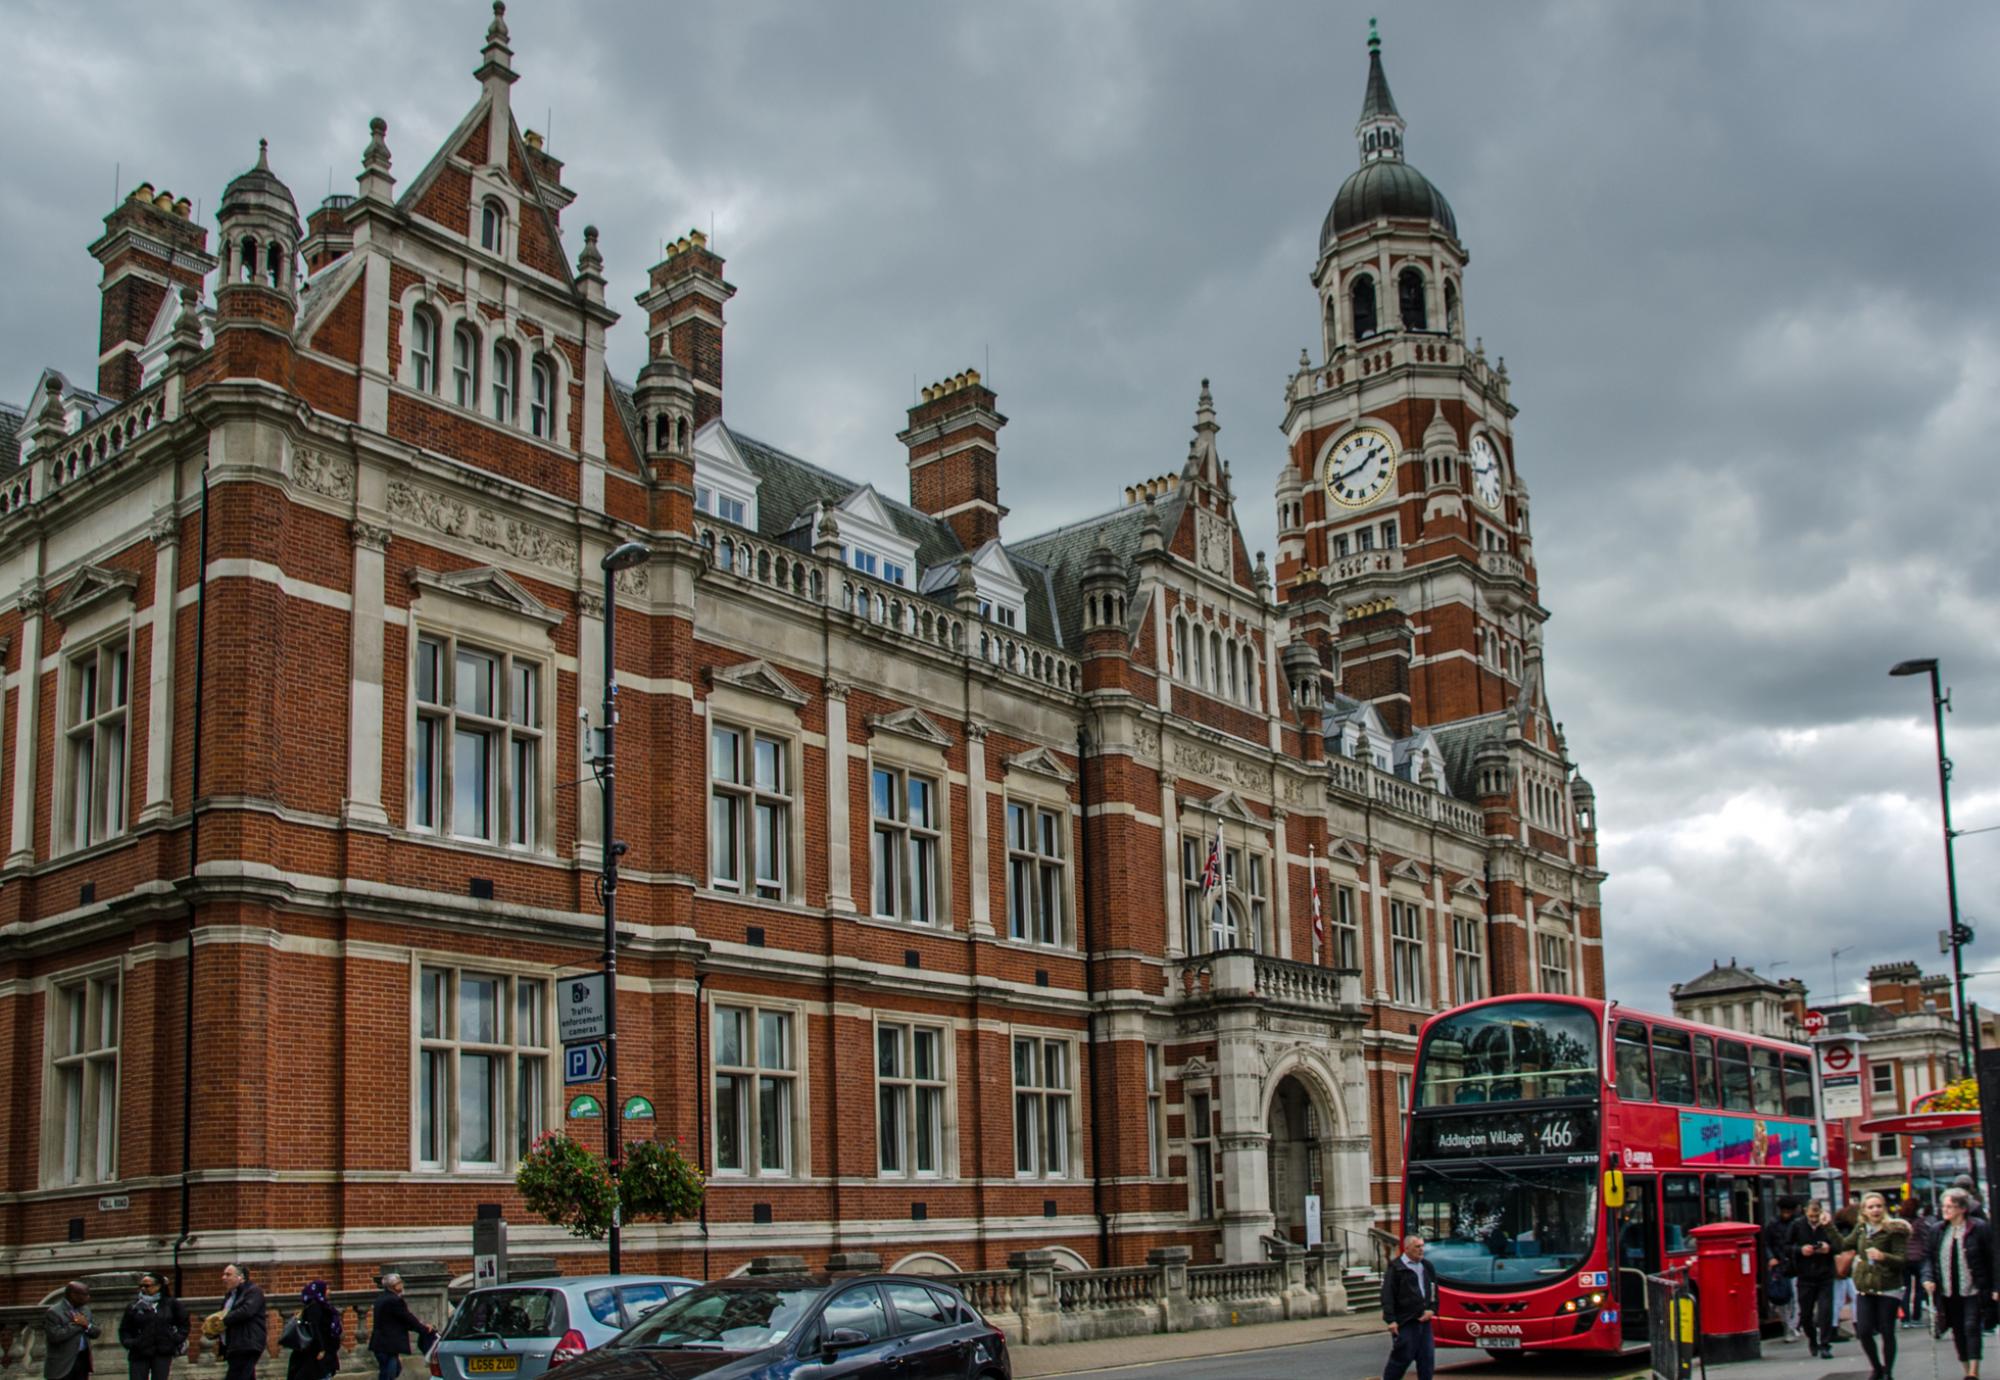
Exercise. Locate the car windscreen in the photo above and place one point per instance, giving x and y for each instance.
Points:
(508, 1314)
(724, 1318)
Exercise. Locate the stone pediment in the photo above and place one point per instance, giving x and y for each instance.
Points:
(1230, 805)
(1042, 762)
(90, 586)
(1346, 852)
(1412, 871)
(759, 678)
(1554, 910)
(1471, 887)
(490, 586)
(913, 724)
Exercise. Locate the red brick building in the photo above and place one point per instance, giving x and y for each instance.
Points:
(302, 607)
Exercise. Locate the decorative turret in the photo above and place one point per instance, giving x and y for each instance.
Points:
(1301, 665)
(1493, 775)
(259, 225)
(1379, 131)
(664, 399)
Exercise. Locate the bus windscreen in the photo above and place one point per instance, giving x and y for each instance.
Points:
(1489, 1226)
(1509, 1052)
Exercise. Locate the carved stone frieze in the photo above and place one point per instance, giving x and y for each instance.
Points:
(331, 476)
(1205, 761)
(1146, 740)
(372, 535)
(524, 541)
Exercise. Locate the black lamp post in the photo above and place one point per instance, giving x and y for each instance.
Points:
(618, 558)
(1940, 701)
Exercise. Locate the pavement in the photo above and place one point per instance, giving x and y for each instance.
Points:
(1354, 1348)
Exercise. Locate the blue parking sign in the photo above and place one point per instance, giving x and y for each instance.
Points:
(583, 1063)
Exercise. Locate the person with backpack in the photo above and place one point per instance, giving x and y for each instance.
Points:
(1922, 1228)
(1776, 1243)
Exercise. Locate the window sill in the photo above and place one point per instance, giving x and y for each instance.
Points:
(475, 848)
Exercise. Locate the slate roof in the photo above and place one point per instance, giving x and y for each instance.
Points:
(1723, 977)
(1377, 100)
(13, 425)
(1060, 556)
(1458, 741)
(788, 488)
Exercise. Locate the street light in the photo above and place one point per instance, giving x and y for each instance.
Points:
(619, 558)
(1940, 701)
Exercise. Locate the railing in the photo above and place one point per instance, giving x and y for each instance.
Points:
(991, 1291)
(1106, 1288)
(1502, 563)
(1385, 561)
(1305, 984)
(889, 608)
(106, 439)
(1244, 974)
(1234, 1283)
(23, 1346)
(1399, 794)
(1392, 346)
(1352, 778)
(18, 492)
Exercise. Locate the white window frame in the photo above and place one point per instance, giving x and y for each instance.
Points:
(1468, 957)
(1044, 1105)
(96, 741)
(1552, 963)
(1200, 1128)
(517, 812)
(542, 383)
(1156, 1111)
(749, 1073)
(1240, 906)
(903, 1091)
(80, 1140)
(466, 348)
(911, 851)
(1345, 932)
(522, 1083)
(1037, 878)
(426, 333)
(749, 797)
(493, 220)
(506, 382)
(1876, 1070)
(1406, 951)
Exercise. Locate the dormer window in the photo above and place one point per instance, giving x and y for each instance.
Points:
(492, 225)
(707, 500)
(1003, 614)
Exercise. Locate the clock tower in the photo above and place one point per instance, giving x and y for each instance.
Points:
(1405, 557)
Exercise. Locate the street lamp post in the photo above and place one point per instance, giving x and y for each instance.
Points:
(619, 558)
(1940, 701)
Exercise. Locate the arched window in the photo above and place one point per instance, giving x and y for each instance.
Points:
(681, 434)
(1250, 676)
(1181, 649)
(1363, 296)
(506, 381)
(492, 225)
(274, 264)
(246, 260)
(1451, 307)
(1235, 679)
(465, 366)
(1410, 299)
(542, 398)
(661, 426)
(1215, 661)
(424, 349)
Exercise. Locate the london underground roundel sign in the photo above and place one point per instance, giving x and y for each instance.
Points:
(1838, 1058)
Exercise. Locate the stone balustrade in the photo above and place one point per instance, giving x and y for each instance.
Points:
(1244, 975)
(105, 440)
(1502, 563)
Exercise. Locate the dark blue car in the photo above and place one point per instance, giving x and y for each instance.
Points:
(806, 1327)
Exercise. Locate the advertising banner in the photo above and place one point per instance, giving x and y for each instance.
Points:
(1735, 1138)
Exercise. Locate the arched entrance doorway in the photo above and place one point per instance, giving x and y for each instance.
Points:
(1297, 1159)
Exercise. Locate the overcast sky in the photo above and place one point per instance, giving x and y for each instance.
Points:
(1740, 260)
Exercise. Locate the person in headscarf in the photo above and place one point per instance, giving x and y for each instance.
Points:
(318, 1353)
(154, 1329)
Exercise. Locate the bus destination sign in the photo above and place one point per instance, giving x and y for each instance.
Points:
(1567, 1131)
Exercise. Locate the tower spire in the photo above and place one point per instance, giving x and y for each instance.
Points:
(1379, 132)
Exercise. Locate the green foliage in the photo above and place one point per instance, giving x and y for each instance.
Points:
(570, 1186)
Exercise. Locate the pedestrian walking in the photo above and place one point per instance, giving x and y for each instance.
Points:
(313, 1336)
(1881, 1244)
(1921, 1232)
(68, 1328)
(1958, 1275)
(1776, 1241)
(154, 1329)
(245, 1324)
(1975, 1209)
(1814, 1245)
(1844, 1222)
(1409, 1306)
(390, 1324)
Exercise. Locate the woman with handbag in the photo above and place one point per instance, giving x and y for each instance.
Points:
(1958, 1276)
(1881, 1244)
(312, 1336)
(1814, 1245)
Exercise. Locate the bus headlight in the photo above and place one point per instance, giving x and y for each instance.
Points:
(1583, 1302)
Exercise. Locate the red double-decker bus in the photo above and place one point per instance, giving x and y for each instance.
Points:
(1530, 1111)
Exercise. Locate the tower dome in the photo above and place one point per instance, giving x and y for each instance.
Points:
(1384, 185)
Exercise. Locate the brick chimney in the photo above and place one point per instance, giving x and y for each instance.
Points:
(954, 443)
(683, 301)
(151, 246)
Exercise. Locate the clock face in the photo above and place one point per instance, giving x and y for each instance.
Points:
(1485, 472)
(1360, 468)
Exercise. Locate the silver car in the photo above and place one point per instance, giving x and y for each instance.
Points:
(517, 1331)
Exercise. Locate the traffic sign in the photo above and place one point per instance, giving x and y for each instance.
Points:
(1840, 1096)
(583, 1063)
(580, 1008)
(1837, 1058)
(1815, 1022)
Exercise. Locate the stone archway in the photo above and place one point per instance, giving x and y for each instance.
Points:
(1296, 1162)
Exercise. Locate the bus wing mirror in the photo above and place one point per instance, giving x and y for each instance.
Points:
(1614, 1188)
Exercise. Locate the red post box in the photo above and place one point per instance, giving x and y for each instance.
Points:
(1726, 1294)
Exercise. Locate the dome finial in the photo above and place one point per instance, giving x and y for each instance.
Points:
(1374, 36)
(264, 154)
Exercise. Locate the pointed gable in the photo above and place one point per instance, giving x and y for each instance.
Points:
(758, 678)
(491, 587)
(91, 586)
(1041, 762)
(913, 724)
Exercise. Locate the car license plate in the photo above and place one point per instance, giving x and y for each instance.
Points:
(492, 1365)
(1501, 1343)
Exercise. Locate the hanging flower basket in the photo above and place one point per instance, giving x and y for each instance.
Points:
(568, 1185)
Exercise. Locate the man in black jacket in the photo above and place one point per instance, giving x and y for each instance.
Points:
(1409, 1304)
(245, 1324)
(391, 1322)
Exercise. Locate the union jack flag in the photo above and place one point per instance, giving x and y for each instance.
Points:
(1319, 924)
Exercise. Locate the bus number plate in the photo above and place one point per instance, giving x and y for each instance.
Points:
(1501, 1343)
